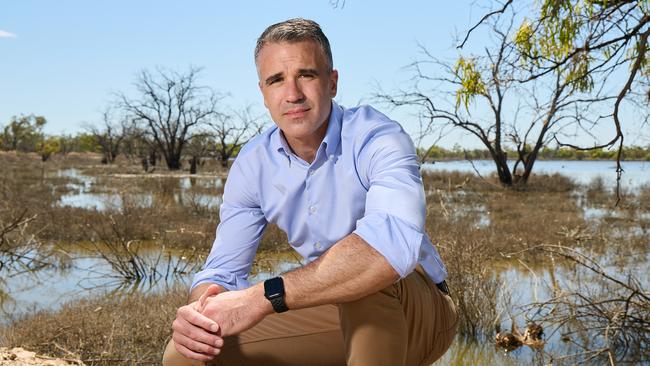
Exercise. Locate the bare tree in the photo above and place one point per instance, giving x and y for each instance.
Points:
(170, 106)
(198, 147)
(109, 135)
(137, 144)
(233, 130)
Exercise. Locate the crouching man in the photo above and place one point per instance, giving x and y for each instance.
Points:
(344, 185)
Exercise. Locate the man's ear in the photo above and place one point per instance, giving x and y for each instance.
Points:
(334, 79)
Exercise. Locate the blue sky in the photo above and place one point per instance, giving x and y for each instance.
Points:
(64, 59)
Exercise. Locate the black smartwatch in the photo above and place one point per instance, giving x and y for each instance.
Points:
(274, 292)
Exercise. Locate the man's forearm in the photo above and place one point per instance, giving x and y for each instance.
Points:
(348, 271)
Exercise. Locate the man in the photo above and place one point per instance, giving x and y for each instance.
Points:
(344, 185)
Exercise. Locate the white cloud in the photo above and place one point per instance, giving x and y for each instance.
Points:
(5, 34)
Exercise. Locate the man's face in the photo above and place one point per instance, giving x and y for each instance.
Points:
(298, 87)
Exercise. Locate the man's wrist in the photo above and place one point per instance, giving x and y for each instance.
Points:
(256, 293)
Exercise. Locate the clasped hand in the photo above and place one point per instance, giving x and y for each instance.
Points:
(199, 327)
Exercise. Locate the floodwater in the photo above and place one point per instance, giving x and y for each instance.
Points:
(84, 194)
(80, 274)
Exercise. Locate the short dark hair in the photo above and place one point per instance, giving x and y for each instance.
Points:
(295, 30)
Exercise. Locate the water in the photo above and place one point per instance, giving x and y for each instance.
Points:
(79, 272)
(84, 192)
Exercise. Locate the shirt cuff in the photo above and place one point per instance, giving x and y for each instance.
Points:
(226, 279)
(397, 240)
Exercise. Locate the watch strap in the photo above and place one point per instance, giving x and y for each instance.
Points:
(279, 305)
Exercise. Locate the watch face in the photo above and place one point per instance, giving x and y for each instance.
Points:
(274, 288)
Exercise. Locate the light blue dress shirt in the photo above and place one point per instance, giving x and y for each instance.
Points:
(365, 179)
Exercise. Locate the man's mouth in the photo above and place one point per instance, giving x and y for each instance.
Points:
(296, 112)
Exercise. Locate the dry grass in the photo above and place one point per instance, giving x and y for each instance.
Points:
(153, 207)
(109, 330)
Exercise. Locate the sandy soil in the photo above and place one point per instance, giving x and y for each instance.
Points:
(20, 357)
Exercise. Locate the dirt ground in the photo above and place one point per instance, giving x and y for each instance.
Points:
(20, 357)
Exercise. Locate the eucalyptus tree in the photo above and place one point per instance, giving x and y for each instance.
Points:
(481, 95)
(600, 45)
(23, 133)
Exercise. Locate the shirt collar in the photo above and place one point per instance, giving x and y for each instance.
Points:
(331, 140)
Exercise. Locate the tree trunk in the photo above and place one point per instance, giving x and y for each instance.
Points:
(193, 163)
(503, 171)
(173, 161)
(223, 159)
(112, 156)
(152, 157)
(145, 164)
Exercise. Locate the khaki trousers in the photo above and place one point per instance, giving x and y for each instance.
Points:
(408, 323)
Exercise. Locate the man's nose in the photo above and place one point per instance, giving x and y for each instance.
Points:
(294, 92)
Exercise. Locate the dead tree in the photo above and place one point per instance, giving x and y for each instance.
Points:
(233, 130)
(170, 106)
(109, 135)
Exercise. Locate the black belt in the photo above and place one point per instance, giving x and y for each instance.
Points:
(442, 286)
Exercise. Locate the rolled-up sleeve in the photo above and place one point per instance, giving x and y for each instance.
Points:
(395, 208)
(241, 226)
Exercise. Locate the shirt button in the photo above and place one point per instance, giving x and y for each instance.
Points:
(310, 172)
(317, 245)
(312, 209)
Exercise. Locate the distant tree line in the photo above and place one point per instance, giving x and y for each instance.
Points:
(435, 153)
(171, 119)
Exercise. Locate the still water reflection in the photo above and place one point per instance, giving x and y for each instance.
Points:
(104, 194)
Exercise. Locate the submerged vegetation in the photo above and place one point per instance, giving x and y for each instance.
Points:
(553, 254)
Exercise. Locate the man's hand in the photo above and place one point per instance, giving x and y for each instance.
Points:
(195, 335)
(237, 311)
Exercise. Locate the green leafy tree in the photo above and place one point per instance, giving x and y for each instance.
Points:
(85, 142)
(23, 133)
(48, 146)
